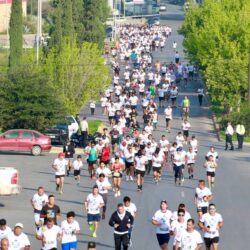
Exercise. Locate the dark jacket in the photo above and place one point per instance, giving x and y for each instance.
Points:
(69, 150)
(122, 228)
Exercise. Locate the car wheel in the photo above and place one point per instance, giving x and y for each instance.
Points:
(36, 150)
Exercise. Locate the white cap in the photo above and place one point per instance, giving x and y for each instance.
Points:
(19, 225)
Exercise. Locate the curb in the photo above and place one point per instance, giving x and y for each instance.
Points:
(57, 150)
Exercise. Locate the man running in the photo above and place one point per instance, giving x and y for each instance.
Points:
(211, 223)
(161, 220)
(93, 203)
(60, 165)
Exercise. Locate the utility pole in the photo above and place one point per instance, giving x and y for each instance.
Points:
(39, 28)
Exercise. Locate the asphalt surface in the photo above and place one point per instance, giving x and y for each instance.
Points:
(231, 192)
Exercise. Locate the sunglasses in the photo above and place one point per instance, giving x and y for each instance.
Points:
(182, 215)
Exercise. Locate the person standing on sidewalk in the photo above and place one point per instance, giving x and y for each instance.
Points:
(200, 95)
(229, 136)
(84, 131)
(240, 132)
(122, 221)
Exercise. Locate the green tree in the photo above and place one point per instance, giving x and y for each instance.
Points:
(56, 30)
(16, 34)
(27, 100)
(77, 13)
(78, 73)
(95, 15)
(217, 35)
(67, 20)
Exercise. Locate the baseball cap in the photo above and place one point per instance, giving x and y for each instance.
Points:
(19, 225)
(61, 154)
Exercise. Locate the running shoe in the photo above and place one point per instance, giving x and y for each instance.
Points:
(119, 193)
(127, 178)
(131, 178)
(94, 235)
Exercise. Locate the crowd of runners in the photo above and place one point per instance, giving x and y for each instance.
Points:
(129, 150)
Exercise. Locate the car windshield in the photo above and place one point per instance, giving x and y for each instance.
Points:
(70, 119)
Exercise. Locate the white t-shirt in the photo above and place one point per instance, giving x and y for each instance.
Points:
(186, 126)
(102, 185)
(179, 228)
(191, 157)
(68, 230)
(61, 166)
(179, 140)
(194, 145)
(168, 113)
(140, 163)
(133, 100)
(50, 235)
(131, 209)
(77, 165)
(4, 233)
(210, 166)
(157, 161)
(179, 158)
(214, 154)
(164, 145)
(189, 241)
(200, 193)
(164, 219)
(18, 242)
(106, 171)
(94, 203)
(39, 201)
(212, 222)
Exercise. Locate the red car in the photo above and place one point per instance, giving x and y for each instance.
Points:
(25, 140)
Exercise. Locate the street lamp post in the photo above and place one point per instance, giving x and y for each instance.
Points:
(39, 28)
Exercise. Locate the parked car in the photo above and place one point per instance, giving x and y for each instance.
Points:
(70, 124)
(9, 181)
(153, 21)
(25, 140)
(58, 136)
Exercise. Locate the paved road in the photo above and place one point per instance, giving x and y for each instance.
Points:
(231, 190)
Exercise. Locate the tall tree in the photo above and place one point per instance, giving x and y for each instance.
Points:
(77, 14)
(16, 34)
(56, 30)
(67, 19)
(95, 15)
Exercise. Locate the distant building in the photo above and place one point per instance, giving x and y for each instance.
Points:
(140, 7)
(5, 10)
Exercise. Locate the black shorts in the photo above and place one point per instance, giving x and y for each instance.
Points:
(157, 169)
(129, 164)
(141, 93)
(77, 172)
(91, 163)
(186, 133)
(139, 172)
(59, 176)
(191, 73)
(106, 162)
(163, 238)
(115, 141)
(212, 174)
(168, 119)
(161, 98)
(191, 165)
(202, 209)
(210, 241)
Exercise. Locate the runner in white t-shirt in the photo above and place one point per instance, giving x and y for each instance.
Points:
(38, 201)
(131, 208)
(93, 204)
(202, 197)
(4, 229)
(191, 158)
(161, 220)
(17, 239)
(189, 239)
(211, 223)
(70, 229)
(60, 165)
(49, 234)
(77, 166)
